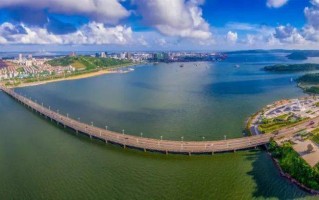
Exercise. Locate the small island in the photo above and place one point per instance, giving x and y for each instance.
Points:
(302, 54)
(292, 67)
(297, 56)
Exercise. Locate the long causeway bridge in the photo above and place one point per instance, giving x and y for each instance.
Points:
(142, 143)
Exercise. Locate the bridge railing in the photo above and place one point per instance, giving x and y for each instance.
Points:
(142, 142)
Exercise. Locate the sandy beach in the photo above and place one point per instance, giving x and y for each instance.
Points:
(75, 77)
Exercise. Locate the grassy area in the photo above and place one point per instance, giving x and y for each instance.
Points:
(78, 65)
(270, 125)
(20, 69)
(291, 163)
(315, 135)
(87, 62)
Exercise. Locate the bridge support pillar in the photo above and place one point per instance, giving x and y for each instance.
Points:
(166, 152)
(77, 132)
(91, 137)
(189, 153)
(144, 150)
(124, 146)
(212, 153)
(105, 141)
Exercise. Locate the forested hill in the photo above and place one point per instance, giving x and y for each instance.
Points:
(292, 67)
(87, 62)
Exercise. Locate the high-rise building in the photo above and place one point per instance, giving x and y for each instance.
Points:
(103, 55)
(128, 55)
(20, 57)
(72, 54)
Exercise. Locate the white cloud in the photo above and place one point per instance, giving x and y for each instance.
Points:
(242, 26)
(182, 18)
(276, 3)
(92, 33)
(110, 11)
(312, 16)
(288, 34)
(315, 2)
(161, 41)
(310, 33)
(231, 37)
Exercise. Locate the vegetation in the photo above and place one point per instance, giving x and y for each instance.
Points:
(309, 79)
(312, 89)
(248, 124)
(87, 62)
(291, 163)
(292, 67)
(82, 65)
(315, 135)
(271, 125)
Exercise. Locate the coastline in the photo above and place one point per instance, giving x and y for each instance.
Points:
(113, 70)
(291, 179)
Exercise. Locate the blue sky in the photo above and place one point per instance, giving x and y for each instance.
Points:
(158, 24)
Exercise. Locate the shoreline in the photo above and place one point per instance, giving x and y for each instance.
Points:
(113, 70)
(291, 179)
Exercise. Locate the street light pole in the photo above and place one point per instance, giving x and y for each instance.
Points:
(123, 131)
(92, 124)
(141, 134)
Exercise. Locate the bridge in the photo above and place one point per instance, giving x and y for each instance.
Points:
(149, 144)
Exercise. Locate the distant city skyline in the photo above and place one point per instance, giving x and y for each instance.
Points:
(153, 25)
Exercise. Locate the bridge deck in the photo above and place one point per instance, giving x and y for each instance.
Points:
(143, 143)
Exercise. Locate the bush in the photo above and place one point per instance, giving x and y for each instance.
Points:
(291, 163)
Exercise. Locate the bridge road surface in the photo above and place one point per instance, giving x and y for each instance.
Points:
(150, 144)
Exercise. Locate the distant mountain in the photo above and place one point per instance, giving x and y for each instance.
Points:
(297, 56)
(303, 54)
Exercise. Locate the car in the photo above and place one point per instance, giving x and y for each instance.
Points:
(311, 123)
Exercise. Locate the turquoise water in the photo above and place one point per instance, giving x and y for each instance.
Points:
(42, 161)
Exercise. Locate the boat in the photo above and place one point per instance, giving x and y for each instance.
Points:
(181, 65)
(131, 69)
(237, 66)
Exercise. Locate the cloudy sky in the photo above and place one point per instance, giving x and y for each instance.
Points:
(158, 24)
